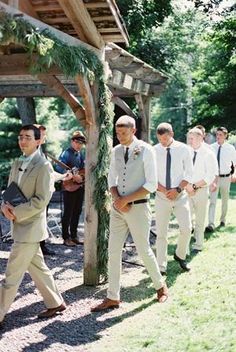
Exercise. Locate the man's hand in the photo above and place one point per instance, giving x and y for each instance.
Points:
(77, 178)
(68, 176)
(213, 187)
(171, 194)
(121, 204)
(190, 190)
(8, 211)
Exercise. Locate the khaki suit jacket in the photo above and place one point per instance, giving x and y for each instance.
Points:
(36, 184)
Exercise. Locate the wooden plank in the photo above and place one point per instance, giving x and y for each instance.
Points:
(57, 20)
(116, 38)
(103, 18)
(47, 8)
(67, 39)
(80, 18)
(96, 4)
(87, 97)
(54, 83)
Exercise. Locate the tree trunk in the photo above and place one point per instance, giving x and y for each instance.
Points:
(26, 108)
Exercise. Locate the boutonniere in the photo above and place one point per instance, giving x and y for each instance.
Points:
(136, 152)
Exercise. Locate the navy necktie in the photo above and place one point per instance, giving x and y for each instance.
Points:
(126, 156)
(218, 156)
(194, 157)
(168, 166)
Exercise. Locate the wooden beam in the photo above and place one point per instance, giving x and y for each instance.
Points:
(54, 83)
(80, 18)
(123, 105)
(91, 276)
(115, 11)
(144, 104)
(41, 25)
(19, 64)
(32, 90)
(87, 97)
(47, 8)
(116, 38)
(103, 18)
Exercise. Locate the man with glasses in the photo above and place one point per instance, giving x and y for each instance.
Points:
(73, 157)
(33, 175)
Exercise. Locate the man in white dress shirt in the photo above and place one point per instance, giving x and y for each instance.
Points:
(204, 170)
(226, 157)
(174, 172)
(131, 179)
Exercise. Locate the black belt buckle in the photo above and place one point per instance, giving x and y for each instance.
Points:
(139, 201)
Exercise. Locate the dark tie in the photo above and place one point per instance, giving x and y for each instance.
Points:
(168, 165)
(126, 156)
(194, 157)
(218, 156)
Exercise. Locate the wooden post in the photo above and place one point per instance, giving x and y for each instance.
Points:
(144, 105)
(90, 102)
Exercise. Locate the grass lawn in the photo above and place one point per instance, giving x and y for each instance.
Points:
(201, 312)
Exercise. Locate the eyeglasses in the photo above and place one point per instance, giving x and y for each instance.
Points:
(27, 138)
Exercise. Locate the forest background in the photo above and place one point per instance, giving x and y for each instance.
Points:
(192, 41)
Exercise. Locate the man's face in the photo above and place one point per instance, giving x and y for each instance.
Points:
(27, 143)
(165, 139)
(194, 140)
(43, 136)
(125, 135)
(76, 145)
(220, 137)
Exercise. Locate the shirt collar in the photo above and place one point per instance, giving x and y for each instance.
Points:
(132, 145)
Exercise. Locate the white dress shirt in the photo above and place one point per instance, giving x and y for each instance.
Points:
(148, 162)
(181, 163)
(227, 156)
(205, 167)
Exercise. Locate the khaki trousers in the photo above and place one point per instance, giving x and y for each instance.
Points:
(137, 221)
(198, 207)
(27, 257)
(164, 208)
(223, 186)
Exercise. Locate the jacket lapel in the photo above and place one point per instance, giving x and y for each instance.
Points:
(29, 168)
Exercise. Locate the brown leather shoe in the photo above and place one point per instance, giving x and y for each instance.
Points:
(106, 304)
(51, 312)
(69, 243)
(76, 241)
(162, 294)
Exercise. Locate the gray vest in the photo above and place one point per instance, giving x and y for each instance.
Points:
(130, 175)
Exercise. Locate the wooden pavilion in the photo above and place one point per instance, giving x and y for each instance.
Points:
(98, 27)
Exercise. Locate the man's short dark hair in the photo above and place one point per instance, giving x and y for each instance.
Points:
(202, 128)
(33, 128)
(222, 129)
(163, 128)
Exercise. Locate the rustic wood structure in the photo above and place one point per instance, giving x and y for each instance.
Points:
(98, 26)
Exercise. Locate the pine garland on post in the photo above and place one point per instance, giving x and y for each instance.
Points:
(72, 60)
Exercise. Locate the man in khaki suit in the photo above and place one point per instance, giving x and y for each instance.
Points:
(33, 175)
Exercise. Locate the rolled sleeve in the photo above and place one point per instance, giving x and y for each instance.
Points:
(188, 166)
(112, 175)
(150, 170)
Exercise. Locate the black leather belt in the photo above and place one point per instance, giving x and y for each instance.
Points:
(139, 201)
(225, 175)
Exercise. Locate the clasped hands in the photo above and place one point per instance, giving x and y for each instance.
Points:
(70, 176)
(169, 193)
(121, 204)
(8, 211)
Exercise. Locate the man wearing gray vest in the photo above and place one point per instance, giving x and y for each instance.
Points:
(132, 177)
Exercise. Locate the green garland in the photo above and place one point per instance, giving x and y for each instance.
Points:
(72, 60)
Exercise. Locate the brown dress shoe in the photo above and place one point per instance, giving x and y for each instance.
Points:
(162, 294)
(106, 304)
(51, 312)
(76, 241)
(69, 243)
